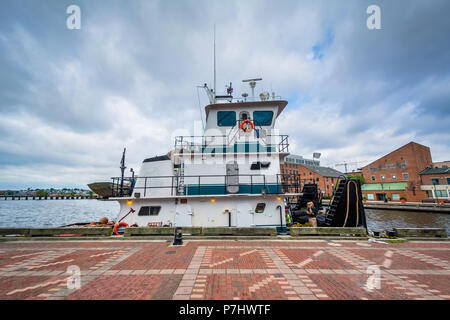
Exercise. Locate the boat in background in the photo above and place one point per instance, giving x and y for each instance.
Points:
(106, 189)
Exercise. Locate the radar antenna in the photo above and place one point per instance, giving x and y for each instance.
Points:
(252, 83)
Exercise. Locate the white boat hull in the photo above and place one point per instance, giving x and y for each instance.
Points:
(226, 211)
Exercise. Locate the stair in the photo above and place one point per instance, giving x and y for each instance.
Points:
(180, 185)
(337, 215)
(340, 193)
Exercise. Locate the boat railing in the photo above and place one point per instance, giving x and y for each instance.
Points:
(223, 144)
(247, 99)
(209, 185)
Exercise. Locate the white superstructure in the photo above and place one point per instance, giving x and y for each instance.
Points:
(229, 176)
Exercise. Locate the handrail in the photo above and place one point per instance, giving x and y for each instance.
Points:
(187, 143)
(286, 183)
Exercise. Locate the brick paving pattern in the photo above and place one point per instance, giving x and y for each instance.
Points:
(231, 270)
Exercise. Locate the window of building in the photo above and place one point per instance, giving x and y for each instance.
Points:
(226, 118)
(263, 118)
(405, 176)
(435, 181)
(441, 193)
(430, 193)
(448, 180)
(403, 167)
(260, 207)
(370, 196)
(394, 177)
(396, 196)
(383, 177)
(149, 211)
(373, 178)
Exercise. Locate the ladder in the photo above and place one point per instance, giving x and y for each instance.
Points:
(343, 214)
(340, 194)
(180, 178)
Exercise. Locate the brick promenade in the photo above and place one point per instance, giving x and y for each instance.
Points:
(287, 270)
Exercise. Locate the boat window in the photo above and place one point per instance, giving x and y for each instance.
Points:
(149, 211)
(263, 118)
(265, 165)
(255, 166)
(244, 115)
(226, 118)
(260, 207)
(259, 165)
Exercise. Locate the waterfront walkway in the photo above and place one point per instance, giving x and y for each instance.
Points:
(287, 270)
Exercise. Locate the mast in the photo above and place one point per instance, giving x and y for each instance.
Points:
(122, 169)
(214, 63)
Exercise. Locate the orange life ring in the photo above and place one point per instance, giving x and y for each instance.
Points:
(245, 122)
(120, 224)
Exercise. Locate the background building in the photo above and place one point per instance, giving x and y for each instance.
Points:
(309, 171)
(396, 174)
(442, 164)
(435, 181)
(294, 159)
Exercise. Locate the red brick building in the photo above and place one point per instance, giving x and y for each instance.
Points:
(436, 182)
(396, 175)
(326, 178)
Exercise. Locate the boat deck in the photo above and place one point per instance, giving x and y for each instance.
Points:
(272, 269)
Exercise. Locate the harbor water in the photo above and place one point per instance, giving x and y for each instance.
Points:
(56, 213)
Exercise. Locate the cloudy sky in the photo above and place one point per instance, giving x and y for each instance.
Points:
(71, 100)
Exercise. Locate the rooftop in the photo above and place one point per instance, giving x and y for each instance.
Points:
(324, 171)
(435, 170)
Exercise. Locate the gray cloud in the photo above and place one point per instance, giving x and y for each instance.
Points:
(70, 100)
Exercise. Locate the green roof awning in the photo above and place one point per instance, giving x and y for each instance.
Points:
(384, 186)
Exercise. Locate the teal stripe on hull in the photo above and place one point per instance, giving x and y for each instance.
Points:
(205, 189)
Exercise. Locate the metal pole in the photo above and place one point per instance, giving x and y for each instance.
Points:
(434, 193)
(214, 63)
(122, 168)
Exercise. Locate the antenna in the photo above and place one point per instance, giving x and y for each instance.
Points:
(214, 63)
(252, 83)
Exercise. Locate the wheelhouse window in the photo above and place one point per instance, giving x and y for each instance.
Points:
(260, 207)
(149, 211)
(226, 118)
(263, 118)
(244, 115)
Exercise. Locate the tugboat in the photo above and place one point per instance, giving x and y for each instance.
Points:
(229, 176)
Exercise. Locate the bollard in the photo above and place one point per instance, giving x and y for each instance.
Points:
(178, 237)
